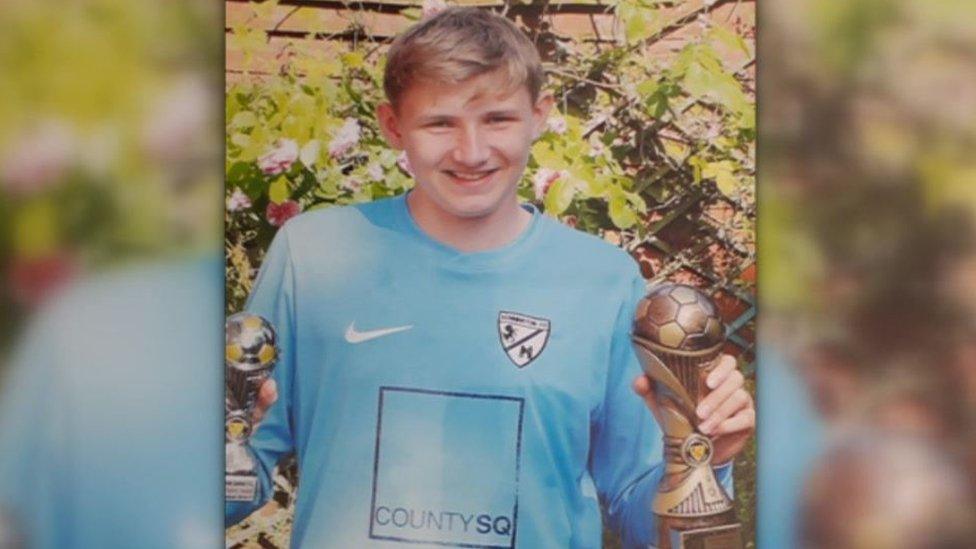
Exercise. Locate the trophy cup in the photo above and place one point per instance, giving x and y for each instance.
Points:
(250, 355)
(677, 336)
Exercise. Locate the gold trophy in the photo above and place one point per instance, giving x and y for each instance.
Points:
(678, 334)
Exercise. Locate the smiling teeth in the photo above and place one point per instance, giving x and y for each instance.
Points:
(470, 177)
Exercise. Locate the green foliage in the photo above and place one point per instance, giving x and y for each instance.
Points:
(627, 134)
(631, 138)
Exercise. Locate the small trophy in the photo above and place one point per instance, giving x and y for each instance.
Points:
(678, 334)
(250, 355)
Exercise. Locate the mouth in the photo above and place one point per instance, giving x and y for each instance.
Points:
(470, 177)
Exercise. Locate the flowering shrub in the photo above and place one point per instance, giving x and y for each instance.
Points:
(106, 142)
(633, 139)
(629, 136)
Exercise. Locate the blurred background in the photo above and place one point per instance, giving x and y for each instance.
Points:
(111, 295)
(111, 196)
(867, 193)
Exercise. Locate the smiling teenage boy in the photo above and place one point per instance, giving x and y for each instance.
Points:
(456, 368)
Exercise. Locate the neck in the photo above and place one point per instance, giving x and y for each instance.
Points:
(469, 234)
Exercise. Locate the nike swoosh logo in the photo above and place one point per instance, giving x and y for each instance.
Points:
(354, 336)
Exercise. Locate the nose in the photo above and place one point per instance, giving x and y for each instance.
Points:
(472, 148)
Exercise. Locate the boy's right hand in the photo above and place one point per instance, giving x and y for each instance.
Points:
(267, 395)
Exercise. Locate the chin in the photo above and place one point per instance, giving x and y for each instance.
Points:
(470, 209)
(467, 205)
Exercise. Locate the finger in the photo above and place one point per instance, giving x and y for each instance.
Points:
(268, 393)
(744, 421)
(726, 365)
(738, 400)
(731, 383)
(642, 385)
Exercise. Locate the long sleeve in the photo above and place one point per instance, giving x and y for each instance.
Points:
(273, 299)
(32, 431)
(626, 456)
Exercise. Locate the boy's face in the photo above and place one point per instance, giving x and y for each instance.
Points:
(467, 143)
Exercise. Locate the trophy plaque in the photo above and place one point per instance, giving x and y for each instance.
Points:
(249, 357)
(678, 334)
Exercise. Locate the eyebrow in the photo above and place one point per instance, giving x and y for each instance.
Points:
(443, 117)
(510, 113)
(436, 117)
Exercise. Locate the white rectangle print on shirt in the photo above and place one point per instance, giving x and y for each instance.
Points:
(446, 468)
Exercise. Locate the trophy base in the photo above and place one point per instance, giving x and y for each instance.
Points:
(240, 487)
(720, 531)
(727, 536)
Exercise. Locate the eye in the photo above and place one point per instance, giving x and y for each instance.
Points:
(438, 124)
(500, 119)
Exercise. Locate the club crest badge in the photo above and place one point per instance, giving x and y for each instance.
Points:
(523, 337)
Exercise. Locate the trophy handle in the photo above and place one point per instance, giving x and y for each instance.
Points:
(657, 371)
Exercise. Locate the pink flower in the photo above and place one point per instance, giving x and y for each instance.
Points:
(345, 139)
(431, 8)
(404, 163)
(279, 158)
(277, 214)
(543, 179)
(375, 172)
(238, 201)
(39, 160)
(557, 124)
(177, 119)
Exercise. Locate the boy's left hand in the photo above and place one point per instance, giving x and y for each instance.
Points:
(727, 412)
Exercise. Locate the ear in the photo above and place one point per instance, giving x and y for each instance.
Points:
(540, 113)
(389, 125)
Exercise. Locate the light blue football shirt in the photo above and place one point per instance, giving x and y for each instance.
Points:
(111, 417)
(791, 440)
(442, 398)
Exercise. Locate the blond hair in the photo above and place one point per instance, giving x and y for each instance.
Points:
(458, 44)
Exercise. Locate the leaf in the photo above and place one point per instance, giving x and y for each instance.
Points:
(36, 229)
(309, 153)
(353, 59)
(413, 14)
(560, 195)
(676, 150)
(279, 191)
(727, 183)
(723, 173)
(697, 163)
(242, 140)
(244, 119)
(620, 212)
(388, 158)
(697, 80)
(636, 28)
(748, 120)
(597, 186)
(647, 88)
(265, 9)
(640, 22)
(729, 39)
(544, 154)
(636, 201)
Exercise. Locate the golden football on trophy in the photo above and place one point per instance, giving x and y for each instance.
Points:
(679, 318)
